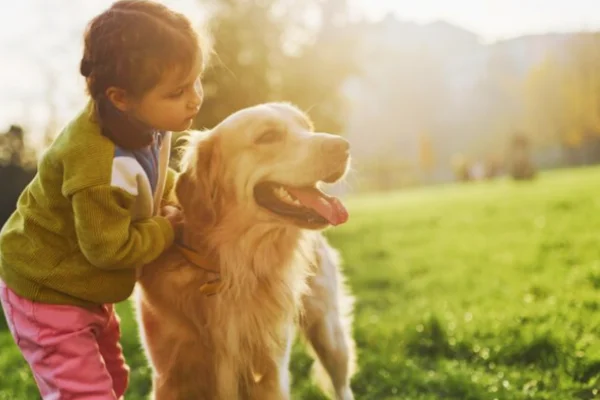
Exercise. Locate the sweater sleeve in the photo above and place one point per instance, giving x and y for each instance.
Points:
(108, 237)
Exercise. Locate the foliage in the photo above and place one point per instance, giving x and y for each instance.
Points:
(16, 169)
(270, 51)
(563, 93)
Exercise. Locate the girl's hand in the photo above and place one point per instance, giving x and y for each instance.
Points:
(175, 216)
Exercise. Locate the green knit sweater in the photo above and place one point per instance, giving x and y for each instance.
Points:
(86, 221)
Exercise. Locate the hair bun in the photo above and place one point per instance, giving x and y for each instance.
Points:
(85, 67)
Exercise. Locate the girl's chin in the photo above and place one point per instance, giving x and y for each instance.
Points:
(188, 123)
(181, 127)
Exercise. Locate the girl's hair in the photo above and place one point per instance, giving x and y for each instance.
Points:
(131, 44)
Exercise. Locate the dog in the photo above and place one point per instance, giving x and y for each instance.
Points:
(218, 312)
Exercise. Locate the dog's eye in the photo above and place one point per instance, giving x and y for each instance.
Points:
(270, 136)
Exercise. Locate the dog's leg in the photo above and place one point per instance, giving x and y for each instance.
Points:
(181, 390)
(186, 378)
(227, 378)
(272, 379)
(268, 384)
(284, 366)
(327, 324)
(334, 350)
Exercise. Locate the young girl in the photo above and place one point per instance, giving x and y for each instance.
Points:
(89, 218)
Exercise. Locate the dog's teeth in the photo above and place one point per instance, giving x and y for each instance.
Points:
(285, 196)
(281, 192)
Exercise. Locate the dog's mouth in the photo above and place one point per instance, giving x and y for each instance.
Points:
(307, 205)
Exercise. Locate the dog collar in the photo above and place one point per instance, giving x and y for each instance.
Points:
(211, 287)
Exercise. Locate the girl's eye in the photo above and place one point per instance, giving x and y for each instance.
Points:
(177, 93)
(270, 136)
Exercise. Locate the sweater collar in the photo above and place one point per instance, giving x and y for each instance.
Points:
(123, 129)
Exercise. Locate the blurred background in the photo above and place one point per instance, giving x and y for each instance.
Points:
(427, 91)
(466, 280)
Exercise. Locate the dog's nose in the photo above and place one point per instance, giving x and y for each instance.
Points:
(335, 145)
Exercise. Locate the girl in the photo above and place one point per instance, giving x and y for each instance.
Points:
(89, 218)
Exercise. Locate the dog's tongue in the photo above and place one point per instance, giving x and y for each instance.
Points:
(330, 208)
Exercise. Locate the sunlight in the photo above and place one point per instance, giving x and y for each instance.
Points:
(460, 140)
(491, 19)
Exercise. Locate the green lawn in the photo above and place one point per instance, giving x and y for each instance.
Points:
(483, 291)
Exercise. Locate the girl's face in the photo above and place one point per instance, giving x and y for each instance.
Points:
(172, 104)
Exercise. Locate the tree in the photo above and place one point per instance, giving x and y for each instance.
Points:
(563, 94)
(426, 153)
(545, 109)
(266, 51)
(314, 75)
(16, 169)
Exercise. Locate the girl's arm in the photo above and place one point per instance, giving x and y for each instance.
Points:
(108, 237)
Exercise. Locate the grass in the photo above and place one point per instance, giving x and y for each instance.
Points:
(482, 291)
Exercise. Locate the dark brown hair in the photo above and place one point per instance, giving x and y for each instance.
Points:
(132, 43)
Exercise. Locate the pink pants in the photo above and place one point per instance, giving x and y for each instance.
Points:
(74, 353)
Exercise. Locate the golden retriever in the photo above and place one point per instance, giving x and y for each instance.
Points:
(218, 312)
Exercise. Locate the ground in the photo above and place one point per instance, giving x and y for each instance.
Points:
(477, 291)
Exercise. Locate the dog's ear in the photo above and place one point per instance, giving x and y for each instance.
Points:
(198, 186)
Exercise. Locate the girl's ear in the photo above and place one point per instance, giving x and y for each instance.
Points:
(118, 97)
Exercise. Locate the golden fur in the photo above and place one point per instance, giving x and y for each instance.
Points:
(276, 274)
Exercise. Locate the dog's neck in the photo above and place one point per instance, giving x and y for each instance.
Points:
(251, 254)
(208, 238)
(196, 240)
(266, 268)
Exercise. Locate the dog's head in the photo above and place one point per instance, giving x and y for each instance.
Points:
(264, 163)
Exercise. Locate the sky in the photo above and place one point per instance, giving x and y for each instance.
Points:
(493, 20)
(33, 29)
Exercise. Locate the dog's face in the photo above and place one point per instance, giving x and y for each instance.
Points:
(270, 162)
